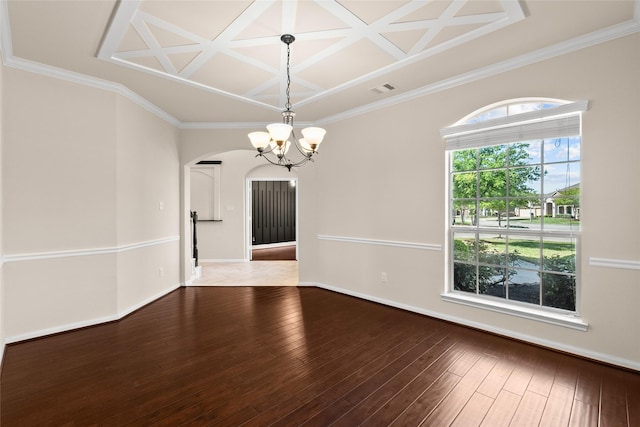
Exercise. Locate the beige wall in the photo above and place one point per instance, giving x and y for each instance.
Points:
(383, 177)
(148, 199)
(84, 172)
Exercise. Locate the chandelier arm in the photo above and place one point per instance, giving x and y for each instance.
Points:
(299, 148)
(278, 163)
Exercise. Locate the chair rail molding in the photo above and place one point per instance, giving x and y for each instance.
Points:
(378, 242)
(87, 252)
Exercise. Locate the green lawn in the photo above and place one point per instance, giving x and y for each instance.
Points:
(530, 250)
(524, 221)
(547, 220)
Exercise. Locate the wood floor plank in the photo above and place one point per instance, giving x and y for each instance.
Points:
(501, 412)
(493, 383)
(529, 410)
(420, 409)
(474, 411)
(613, 402)
(588, 386)
(632, 385)
(447, 411)
(543, 377)
(557, 411)
(259, 356)
(583, 414)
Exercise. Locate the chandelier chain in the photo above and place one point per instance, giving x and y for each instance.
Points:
(288, 104)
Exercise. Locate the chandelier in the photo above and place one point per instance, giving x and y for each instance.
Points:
(274, 145)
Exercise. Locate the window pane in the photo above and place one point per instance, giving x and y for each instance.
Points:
(525, 153)
(562, 179)
(492, 249)
(464, 160)
(493, 183)
(524, 286)
(464, 185)
(463, 212)
(525, 213)
(493, 213)
(524, 252)
(525, 182)
(491, 281)
(562, 149)
(559, 291)
(464, 277)
(493, 157)
(464, 247)
(559, 254)
(488, 115)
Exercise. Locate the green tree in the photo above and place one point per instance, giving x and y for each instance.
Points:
(489, 184)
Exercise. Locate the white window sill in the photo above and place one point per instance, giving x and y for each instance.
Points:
(567, 320)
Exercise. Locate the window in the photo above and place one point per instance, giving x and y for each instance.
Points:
(514, 203)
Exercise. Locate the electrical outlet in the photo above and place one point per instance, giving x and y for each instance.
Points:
(384, 278)
(161, 272)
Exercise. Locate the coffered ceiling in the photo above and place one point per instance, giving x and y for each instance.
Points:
(221, 63)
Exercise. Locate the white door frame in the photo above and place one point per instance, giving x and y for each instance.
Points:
(249, 203)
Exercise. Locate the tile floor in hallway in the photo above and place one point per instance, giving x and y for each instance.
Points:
(253, 273)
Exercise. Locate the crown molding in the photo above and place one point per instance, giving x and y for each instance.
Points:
(85, 80)
(231, 125)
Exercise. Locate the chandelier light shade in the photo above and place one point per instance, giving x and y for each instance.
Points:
(274, 145)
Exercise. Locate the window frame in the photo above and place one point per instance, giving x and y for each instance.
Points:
(561, 120)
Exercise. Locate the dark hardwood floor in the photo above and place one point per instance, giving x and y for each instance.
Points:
(283, 253)
(289, 356)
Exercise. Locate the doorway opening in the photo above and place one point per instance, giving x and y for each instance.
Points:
(273, 220)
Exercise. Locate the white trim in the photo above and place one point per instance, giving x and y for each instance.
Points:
(85, 80)
(6, 42)
(120, 22)
(224, 260)
(87, 252)
(614, 263)
(530, 116)
(86, 323)
(138, 306)
(393, 243)
(234, 125)
(606, 358)
(567, 320)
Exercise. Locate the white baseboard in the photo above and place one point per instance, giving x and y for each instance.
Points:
(149, 300)
(86, 323)
(606, 358)
(224, 260)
